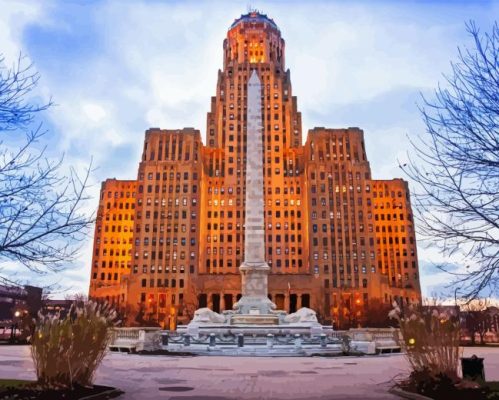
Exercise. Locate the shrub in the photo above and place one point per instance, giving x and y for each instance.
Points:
(431, 341)
(67, 351)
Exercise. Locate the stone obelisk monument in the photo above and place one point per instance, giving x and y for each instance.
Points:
(254, 270)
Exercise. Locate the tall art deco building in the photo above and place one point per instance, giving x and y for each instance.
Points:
(173, 239)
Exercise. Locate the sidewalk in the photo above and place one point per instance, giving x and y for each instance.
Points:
(224, 378)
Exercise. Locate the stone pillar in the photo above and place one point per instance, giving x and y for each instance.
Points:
(222, 302)
(286, 302)
(298, 301)
(209, 300)
(254, 270)
(254, 233)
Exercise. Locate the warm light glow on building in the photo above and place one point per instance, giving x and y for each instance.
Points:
(335, 238)
(111, 258)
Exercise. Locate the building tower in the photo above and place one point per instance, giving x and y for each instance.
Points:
(253, 42)
(165, 246)
(335, 238)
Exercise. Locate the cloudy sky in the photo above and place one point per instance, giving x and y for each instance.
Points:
(115, 68)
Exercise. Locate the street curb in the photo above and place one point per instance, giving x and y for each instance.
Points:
(408, 395)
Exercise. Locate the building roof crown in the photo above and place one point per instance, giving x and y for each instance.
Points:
(254, 16)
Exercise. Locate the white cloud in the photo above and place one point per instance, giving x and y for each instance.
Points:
(14, 17)
(94, 112)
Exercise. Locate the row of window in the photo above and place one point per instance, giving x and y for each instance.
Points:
(159, 269)
(340, 241)
(120, 206)
(347, 254)
(147, 228)
(228, 238)
(109, 277)
(162, 300)
(396, 252)
(174, 153)
(185, 188)
(112, 264)
(360, 215)
(346, 283)
(266, 172)
(118, 195)
(395, 240)
(397, 264)
(112, 252)
(118, 217)
(337, 175)
(169, 241)
(381, 217)
(171, 176)
(212, 264)
(339, 201)
(170, 201)
(341, 269)
(340, 227)
(166, 255)
(388, 205)
(387, 193)
(395, 228)
(169, 228)
(164, 215)
(162, 283)
(113, 240)
(169, 214)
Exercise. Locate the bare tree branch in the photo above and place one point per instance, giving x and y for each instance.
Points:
(42, 223)
(456, 165)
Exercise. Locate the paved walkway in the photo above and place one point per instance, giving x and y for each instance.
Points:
(224, 378)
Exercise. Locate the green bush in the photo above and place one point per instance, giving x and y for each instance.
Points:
(67, 351)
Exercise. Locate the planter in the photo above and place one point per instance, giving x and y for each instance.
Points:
(31, 392)
(488, 390)
(408, 395)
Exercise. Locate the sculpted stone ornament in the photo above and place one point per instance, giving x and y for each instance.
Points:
(304, 314)
(205, 315)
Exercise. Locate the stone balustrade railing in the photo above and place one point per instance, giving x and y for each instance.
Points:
(364, 340)
(134, 339)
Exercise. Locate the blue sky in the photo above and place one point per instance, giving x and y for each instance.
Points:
(115, 68)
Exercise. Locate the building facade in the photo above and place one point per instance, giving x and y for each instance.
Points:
(330, 240)
(111, 257)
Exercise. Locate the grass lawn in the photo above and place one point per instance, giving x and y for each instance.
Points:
(11, 383)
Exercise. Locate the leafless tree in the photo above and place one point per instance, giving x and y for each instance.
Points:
(376, 314)
(477, 319)
(42, 222)
(348, 311)
(455, 166)
(320, 307)
(191, 299)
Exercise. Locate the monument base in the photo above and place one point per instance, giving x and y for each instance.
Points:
(254, 330)
(248, 319)
(254, 305)
(303, 322)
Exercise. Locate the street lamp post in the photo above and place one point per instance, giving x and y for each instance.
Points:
(17, 314)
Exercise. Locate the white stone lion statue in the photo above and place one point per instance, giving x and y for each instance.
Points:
(304, 314)
(207, 316)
